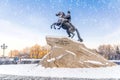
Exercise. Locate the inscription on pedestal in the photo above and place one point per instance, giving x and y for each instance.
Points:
(62, 42)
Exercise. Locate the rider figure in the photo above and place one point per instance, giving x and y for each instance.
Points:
(67, 18)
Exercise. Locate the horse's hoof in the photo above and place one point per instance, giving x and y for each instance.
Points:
(69, 36)
(81, 40)
(73, 35)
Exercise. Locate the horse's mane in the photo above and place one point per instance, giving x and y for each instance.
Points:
(61, 13)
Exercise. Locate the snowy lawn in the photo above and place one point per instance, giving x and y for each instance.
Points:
(38, 70)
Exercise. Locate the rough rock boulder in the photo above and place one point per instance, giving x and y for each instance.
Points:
(66, 53)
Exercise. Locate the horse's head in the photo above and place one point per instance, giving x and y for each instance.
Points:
(60, 14)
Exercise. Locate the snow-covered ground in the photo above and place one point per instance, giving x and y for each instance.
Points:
(37, 70)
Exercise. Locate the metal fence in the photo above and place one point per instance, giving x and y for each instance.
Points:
(15, 77)
(4, 61)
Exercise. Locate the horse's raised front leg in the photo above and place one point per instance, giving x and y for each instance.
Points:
(59, 27)
(53, 25)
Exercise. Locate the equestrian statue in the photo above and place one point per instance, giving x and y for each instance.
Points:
(64, 22)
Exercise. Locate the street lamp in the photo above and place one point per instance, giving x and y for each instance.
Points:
(3, 47)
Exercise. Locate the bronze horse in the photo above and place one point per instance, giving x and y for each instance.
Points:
(70, 29)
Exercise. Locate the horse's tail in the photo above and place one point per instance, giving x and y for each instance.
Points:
(78, 34)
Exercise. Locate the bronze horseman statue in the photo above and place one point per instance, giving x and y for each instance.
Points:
(64, 22)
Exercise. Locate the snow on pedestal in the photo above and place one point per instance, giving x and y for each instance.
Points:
(66, 53)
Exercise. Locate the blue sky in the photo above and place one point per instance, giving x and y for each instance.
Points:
(24, 23)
